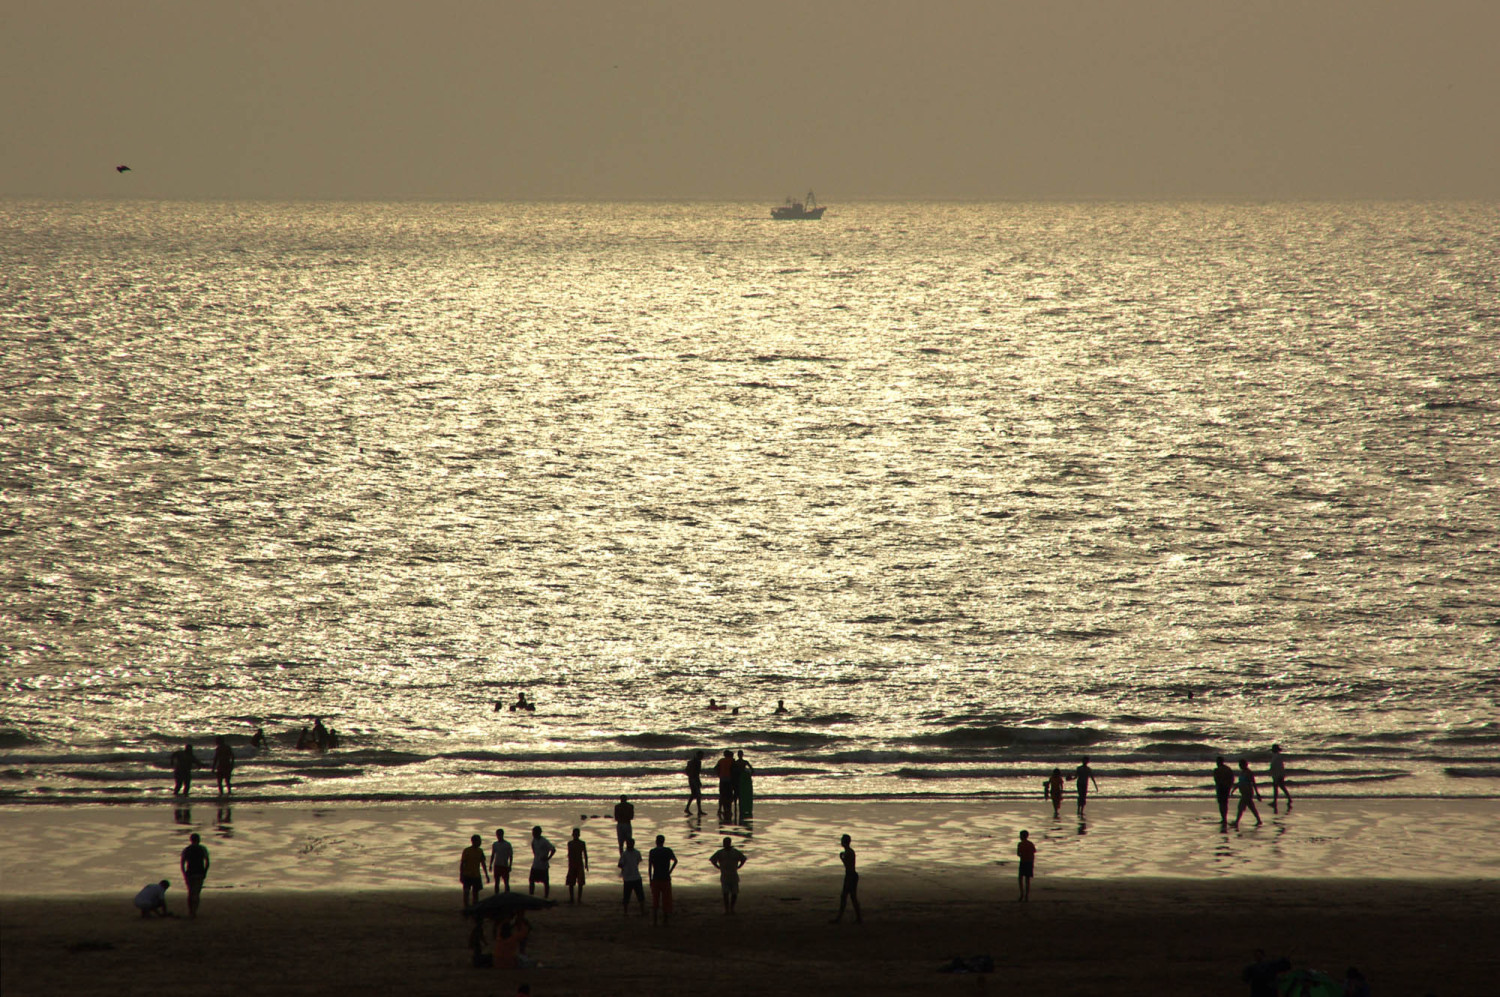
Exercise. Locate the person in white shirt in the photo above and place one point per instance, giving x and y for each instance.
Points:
(501, 856)
(153, 900)
(541, 854)
(630, 872)
(1278, 779)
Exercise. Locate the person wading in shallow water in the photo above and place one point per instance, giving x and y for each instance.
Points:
(1278, 780)
(1052, 789)
(850, 892)
(1084, 775)
(223, 765)
(1249, 793)
(183, 763)
(695, 783)
(1223, 786)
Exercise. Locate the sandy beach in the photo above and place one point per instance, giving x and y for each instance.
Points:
(1159, 937)
(1148, 899)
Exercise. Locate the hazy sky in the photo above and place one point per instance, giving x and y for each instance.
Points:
(750, 99)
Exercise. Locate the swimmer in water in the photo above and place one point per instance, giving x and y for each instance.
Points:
(713, 705)
(780, 706)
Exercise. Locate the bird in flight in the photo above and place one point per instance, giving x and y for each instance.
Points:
(122, 169)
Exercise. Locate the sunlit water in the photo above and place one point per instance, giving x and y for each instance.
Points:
(976, 489)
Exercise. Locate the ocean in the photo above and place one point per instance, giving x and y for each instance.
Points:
(976, 489)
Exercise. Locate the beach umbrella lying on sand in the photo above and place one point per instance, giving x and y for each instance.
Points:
(506, 904)
(1309, 983)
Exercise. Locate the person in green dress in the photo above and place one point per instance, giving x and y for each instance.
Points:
(745, 783)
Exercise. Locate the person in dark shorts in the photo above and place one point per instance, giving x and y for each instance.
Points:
(578, 866)
(541, 858)
(630, 875)
(183, 763)
(695, 783)
(724, 769)
(850, 893)
(1026, 851)
(471, 866)
(223, 765)
(501, 857)
(1084, 775)
(1223, 786)
(1278, 780)
(659, 866)
(194, 863)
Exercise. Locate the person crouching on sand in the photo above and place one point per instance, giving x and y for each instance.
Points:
(1026, 851)
(153, 900)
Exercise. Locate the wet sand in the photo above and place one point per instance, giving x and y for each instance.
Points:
(1140, 936)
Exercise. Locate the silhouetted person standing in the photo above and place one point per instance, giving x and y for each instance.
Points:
(695, 783)
(1026, 852)
(183, 763)
(630, 875)
(1249, 793)
(624, 815)
(578, 865)
(194, 863)
(850, 892)
(223, 765)
(501, 857)
(1223, 786)
(659, 866)
(729, 860)
(1278, 780)
(471, 866)
(1084, 775)
(724, 768)
(541, 858)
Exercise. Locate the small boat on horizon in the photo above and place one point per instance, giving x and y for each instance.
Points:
(808, 208)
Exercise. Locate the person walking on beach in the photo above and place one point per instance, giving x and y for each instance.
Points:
(183, 763)
(1084, 775)
(541, 857)
(630, 875)
(1249, 793)
(578, 866)
(194, 864)
(695, 783)
(1223, 786)
(1026, 852)
(501, 857)
(153, 900)
(1052, 789)
(624, 815)
(1278, 780)
(659, 865)
(223, 765)
(850, 892)
(729, 860)
(471, 866)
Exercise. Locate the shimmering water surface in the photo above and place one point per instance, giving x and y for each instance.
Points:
(974, 488)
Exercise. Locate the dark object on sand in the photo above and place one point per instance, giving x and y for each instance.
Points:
(91, 946)
(122, 169)
(503, 905)
(973, 964)
(1309, 983)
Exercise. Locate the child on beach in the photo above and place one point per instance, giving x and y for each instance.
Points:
(729, 860)
(1026, 851)
(850, 891)
(1052, 789)
(578, 865)
(471, 866)
(501, 856)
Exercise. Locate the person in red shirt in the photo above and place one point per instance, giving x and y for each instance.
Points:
(1027, 853)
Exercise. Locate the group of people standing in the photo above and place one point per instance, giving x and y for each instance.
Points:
(736, 785)
(184, 762)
